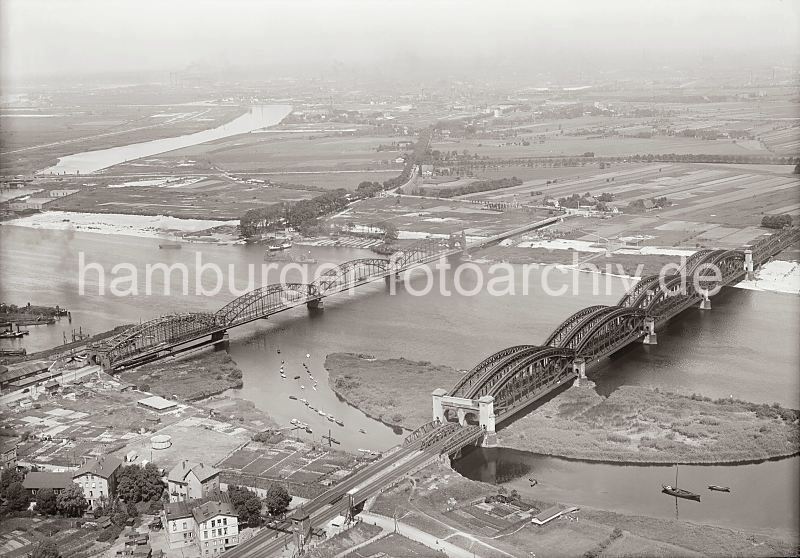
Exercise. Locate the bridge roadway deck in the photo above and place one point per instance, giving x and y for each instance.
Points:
(333, 502)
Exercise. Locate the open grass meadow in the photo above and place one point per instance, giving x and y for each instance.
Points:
(637, 424)
(374, 386)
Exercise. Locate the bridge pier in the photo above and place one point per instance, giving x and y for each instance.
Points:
(315, 305)
(220, 340)
(487, 420)
(579, 368)
(393, 278)
(438, 408)
(705, 302)
(748, 264)
(484, 407)
(650, 337)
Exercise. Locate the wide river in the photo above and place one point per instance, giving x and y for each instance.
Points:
(255, 118)
(745, 347)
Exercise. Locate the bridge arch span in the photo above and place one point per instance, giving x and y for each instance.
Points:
(263, 301)
(567, 326)
(351, 273)
(530, 376)
(150, 335)
(484, 367)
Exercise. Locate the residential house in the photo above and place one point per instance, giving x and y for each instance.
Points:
(36, 481)
(179, 524)
(192, 481)
(97, 478)
(8, 452)
(210, 524)
(217, 527)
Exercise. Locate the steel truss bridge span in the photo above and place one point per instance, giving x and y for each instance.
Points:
(174, 333)
(518, 376)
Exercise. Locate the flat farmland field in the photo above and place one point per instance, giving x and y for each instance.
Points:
(264, 153)
(574, 146)
(210, 198)
(332, 180)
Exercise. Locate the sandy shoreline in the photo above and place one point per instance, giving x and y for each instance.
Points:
(144, 226)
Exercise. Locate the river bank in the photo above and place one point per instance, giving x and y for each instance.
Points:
(633, 424)
(392, 391)
(190, 378)
(438, 500)
(143, 226)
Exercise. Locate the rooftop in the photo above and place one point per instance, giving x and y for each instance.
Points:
(211, 509)
(157, 402)
(102, 466)
(179, 473)
(12, 372)
(36, 480)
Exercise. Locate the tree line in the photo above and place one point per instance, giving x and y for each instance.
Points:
(474, 187)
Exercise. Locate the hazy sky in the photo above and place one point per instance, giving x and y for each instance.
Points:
(45, 37)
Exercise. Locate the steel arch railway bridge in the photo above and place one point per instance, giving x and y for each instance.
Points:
(175, 333)
(515, 377)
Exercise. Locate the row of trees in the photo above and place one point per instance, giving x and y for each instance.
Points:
(480, 186)
(776, 221)
(248, 505)
(300, 215)
(70, 502)
(140, 484)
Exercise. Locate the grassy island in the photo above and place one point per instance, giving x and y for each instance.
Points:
(639, 424)
(395, 391)
(633, 424)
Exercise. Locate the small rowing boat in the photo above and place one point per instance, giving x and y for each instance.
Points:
(718, 488)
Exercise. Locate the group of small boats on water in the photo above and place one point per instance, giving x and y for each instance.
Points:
(11, 334)
(302, 425)
(688, 494)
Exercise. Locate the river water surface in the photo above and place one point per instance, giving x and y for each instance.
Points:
(746, 347)
(255, 118)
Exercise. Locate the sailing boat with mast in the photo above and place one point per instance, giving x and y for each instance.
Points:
(679, 492)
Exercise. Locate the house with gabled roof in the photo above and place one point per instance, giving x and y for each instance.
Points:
(191, 481)
(98, 479)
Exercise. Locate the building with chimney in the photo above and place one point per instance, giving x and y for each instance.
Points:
(192, 481)
(210, 524)
(97, 478)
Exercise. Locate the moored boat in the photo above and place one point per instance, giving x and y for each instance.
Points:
(337, 421)
(293, 397)
(718, 488)
(680, 493)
